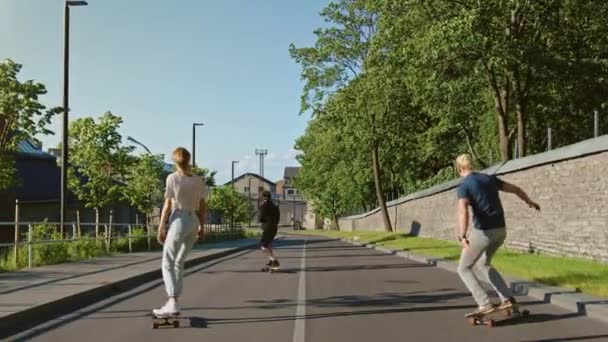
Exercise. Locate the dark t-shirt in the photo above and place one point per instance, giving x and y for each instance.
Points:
(269, 215)
(482, 192)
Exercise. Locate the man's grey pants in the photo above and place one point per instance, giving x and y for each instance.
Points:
(483, 246)
(182, 234)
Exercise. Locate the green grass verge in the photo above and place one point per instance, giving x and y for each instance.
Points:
(574, 273)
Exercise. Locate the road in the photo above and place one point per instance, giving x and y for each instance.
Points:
(326, 291)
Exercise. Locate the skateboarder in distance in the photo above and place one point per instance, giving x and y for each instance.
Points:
(480, 192)
(269, 218)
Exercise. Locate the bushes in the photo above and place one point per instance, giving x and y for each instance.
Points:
(87, 247)
(139, 242)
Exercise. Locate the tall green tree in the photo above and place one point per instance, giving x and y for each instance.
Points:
(207, 174)
(335, 176)
(22, 116)
(229, 202)
(399, 87)
(517, 51)
(332, 66)
(99, 163)
(339, 53)
(144, 186)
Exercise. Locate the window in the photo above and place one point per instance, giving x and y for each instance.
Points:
(290, 192)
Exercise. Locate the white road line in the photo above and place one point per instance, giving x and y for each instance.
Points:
(299, 331)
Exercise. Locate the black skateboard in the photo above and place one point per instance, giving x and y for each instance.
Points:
(491, 319)
(170, 321)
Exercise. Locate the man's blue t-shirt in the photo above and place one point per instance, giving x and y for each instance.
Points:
(482, 192)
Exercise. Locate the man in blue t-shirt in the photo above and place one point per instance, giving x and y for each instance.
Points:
(480, 191)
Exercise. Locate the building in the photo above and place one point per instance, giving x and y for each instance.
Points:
(291, 203)
(290, 192)
(38, 192)
(253, 185)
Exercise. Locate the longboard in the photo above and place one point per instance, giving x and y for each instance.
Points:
(171, 321)
(492, 318)
(271, 269)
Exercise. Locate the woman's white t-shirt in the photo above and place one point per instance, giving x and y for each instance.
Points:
(185, 191)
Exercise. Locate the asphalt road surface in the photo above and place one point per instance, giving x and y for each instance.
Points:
(326, 291)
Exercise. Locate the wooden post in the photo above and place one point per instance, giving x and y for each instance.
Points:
(30, 234)
(148, 230)
(78, 223)
(109, 237)
(97, 223)
(16, 232)
(130, 248)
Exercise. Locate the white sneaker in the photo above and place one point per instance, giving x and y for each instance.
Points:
(170, 309)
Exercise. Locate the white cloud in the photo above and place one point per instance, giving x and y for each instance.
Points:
(291, 154)
(271, 157)
(274, 164)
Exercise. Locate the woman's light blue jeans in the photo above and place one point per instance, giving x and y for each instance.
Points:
(182, 234)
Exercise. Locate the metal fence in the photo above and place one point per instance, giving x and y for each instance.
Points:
(103, 232)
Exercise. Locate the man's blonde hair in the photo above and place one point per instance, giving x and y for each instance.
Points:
(464, 162)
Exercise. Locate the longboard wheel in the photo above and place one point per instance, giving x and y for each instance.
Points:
(176, 324)
(154, 326)
(525, 313)
(490, 323)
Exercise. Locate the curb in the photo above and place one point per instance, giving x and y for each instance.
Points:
(34, 316)
(570, 300)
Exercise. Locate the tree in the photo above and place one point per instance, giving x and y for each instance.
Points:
(22, 116)
(99, 164)
(207, 174)
(339, 53)
(143, 188)
(399, 87)
(335, 175)
(228, 202)
(335, 64)
(520, 52)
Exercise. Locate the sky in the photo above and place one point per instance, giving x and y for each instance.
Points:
(163, 65)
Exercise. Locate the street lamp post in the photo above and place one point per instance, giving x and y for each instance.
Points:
(140, 144)
(66, 105)
(194, 125)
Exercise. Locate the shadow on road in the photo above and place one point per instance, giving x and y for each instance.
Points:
(330, 268)
(198, 322)
(81, 310)
(575, 338)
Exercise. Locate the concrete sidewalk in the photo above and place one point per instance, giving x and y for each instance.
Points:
(32, 296)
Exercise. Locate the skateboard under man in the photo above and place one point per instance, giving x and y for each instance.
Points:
(271, 269)
(498, 315)
(169, 321)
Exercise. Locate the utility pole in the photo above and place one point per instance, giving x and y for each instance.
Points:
(194, 125)
(232, 204)
(262, 153)
(66, 110)
(249, 197)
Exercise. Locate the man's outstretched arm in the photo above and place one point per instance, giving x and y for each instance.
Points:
(514, 189)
